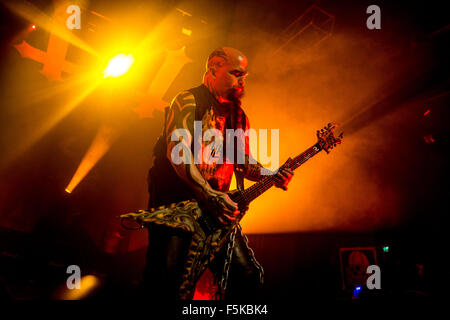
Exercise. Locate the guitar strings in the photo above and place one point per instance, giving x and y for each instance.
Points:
(257, 189)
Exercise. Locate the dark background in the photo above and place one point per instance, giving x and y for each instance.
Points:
(44, 229)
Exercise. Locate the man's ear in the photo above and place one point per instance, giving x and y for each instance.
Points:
(213, 70)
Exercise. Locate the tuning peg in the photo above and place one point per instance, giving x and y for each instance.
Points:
(329, 125)
(321, 130)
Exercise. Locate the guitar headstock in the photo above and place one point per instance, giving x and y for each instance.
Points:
(326, 138)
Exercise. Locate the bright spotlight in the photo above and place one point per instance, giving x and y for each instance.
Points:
(118, 65)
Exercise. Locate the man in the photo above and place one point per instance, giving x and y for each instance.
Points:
(217, 104)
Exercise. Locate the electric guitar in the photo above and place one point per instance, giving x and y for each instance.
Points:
(208, 234)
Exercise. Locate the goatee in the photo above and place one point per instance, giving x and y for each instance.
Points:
(236, 95)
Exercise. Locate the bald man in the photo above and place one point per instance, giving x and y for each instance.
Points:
(217, 104)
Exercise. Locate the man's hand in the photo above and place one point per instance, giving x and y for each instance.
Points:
(222, 206)
(283, 177)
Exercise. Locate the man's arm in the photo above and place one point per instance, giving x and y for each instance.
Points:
(181, 117)
(250, 170)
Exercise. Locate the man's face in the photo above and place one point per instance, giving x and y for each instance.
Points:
(230, 78)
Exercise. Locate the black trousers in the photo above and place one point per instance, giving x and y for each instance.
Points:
(166, 254)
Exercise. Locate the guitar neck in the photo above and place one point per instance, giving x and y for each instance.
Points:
(267, 182)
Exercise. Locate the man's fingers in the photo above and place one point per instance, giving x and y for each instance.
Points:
(226, 219)
(227, 209)
(283, 177)
(231, 218)
(287, 173)
(234, 212)
(222, 221)
(279, 177)
(231, 208)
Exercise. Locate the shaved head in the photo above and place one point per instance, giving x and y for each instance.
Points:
(225, 55)
(226, 69)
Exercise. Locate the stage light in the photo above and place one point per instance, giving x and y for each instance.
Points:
(386, 248)
(33, 27)
(118, 65)
(99, 146)
(186, 32)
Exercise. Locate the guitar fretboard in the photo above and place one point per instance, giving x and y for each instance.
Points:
(266, 183)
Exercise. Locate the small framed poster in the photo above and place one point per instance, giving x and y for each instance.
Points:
(354, 263)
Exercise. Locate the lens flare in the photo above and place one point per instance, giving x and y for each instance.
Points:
(118, 65)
